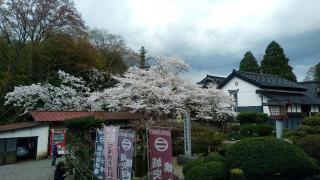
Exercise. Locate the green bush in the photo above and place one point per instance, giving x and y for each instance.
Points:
(269, 157)
(311, 146)
(248, 129)
(234, 129)
(310, 129)
(256, 129)
(213, 157)
(191, 164)
(210, 170)
(294, 135)
(311, 121)
(252, 117)
(263, 129)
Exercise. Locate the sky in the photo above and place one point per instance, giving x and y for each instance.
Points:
(212, 35)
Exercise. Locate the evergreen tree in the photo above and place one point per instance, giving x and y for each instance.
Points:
(249, 63)
(275, 62)
(142, 55)
(317, 72)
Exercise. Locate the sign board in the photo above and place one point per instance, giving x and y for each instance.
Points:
(111, 152)
(160, 154)
(125, 144)
(98, 166)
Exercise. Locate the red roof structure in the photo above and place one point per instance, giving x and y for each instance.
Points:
(15, 126)
(57, 116)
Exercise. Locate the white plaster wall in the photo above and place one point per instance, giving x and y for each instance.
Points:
(314, 108)
(41, 132)
(247, 92)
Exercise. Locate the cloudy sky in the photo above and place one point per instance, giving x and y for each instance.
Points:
(212, 35)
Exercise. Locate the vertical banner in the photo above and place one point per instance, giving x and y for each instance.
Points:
(98, 166)
(125, 144)
(111, 152)
(160, 154)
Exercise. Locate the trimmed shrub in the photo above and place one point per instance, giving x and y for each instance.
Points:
(248, 129)
(263, 129)
(256, 129)
(234, 128)
(312, 121)
(252, 117)
(310, 129)
(210, 170)
(213, 157)
(237, 174)
(311, 146)
(269, 157)
(191, 164)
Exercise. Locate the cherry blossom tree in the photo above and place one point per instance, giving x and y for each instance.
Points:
(159, 90)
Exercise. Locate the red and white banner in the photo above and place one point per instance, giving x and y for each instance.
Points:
(160, 154)
(111, 152)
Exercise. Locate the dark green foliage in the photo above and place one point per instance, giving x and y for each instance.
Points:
(142, 55)
(249, 63)
(80, 144)
(294, 135)
(213, 157)
(275, 62)
(256, 129)
(310, 129)
(234, 128)
(252, 117)
(263, 129)
(191, 164)
(210, 170)
(248, 129)
(317, 72)
(205, 139)
(269, 157)
(311, 146)
(312, 121)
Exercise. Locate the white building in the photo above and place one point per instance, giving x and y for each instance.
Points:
(252, 92)
(23, 140)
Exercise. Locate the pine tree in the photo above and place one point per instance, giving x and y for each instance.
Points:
(317, 72)
(142, 56)
(275, 62)
(249, 63)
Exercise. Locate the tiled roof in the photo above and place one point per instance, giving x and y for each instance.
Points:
(15, 126)
(264, 81)
(294, 98)
(313, 89)
(56, 116)
(212, 79)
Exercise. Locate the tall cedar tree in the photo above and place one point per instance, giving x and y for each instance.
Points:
(317, 72)
(142, 56)
(249, 63)
(275, 62)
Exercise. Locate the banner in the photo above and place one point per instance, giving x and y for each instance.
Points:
(98, 166)
(125, 144)
(160, 155)
(111, 152)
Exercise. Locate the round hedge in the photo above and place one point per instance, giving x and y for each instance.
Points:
(311, 145)
(213, 157)
(269, 157)
(191, 164)
(210, 170)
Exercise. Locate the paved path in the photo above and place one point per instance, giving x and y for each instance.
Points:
(28, 170)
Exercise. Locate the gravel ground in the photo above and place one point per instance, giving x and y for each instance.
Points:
(29, 170)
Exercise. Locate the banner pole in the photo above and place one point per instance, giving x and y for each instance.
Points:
(148, 153)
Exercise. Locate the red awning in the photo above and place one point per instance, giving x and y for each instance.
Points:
(56, 116)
